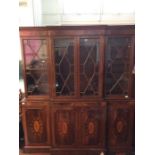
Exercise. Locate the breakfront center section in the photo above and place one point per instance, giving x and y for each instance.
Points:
(78, 89)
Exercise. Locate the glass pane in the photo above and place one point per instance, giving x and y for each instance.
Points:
(35, 51)
(64, 66)
(37, 82)
(117, 66)
(89, 66)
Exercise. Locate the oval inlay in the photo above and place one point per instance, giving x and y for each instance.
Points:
(36, 126)
(119, 126)
(91, 128)
(64, 128)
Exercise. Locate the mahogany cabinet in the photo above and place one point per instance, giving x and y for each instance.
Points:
(79, 88)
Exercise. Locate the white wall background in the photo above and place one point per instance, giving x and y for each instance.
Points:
(26, 13)
(76, 12)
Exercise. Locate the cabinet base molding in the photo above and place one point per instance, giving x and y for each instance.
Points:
(74, 151)
(37, 149)
(121, 153)
(78, 152)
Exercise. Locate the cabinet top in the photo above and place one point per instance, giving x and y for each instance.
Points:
(77, 30)
(79, 27)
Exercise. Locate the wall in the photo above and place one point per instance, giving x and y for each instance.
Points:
(76, 12)
(71, 12)
(26, 17)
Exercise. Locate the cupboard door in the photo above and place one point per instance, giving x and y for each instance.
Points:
(89, 67)
(64, 66)
(36, 62)
(117, 66)
(119, 125)
(64, 126)
(36, 125)
(92, 126)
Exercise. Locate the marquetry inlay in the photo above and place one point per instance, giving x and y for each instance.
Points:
(37, 126)
(63, 128)
(91, 128)
(119, 126)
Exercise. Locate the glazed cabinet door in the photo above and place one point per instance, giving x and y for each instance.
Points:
(92, 125)
(35, 54)
(118, 66)
(89, 66)
(36, 125)
(120, 125)
(64, 66)
(64, 126)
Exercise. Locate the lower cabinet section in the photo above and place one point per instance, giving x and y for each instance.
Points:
(83, 128)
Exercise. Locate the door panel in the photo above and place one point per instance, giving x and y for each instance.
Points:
(36, 125)
(64, 126)
(119, 125)
(92, 125)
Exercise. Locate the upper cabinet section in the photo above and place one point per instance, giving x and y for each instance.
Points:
(91, 62)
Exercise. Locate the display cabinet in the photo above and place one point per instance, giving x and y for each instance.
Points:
(79, 85)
